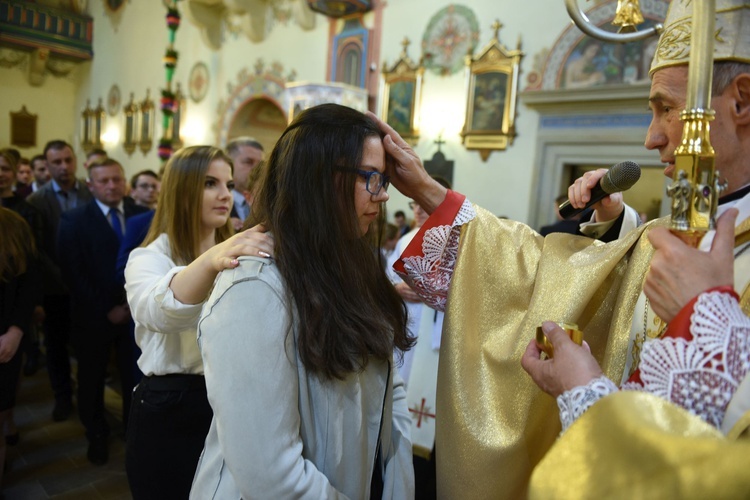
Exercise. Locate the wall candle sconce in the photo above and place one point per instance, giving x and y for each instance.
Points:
(86, 142)
(92, 126)
(147, 120)
(98, 120)
(131, 125)
(176, 125)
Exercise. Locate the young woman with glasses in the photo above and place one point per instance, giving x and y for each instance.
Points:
(298, 351)
(167, 281)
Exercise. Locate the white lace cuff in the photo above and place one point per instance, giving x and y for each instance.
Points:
(575, 402)
(430, 272)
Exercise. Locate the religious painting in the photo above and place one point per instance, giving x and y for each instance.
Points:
(198, 81)
(401, 106)
(489, 92)
(401, 95)
(23, 128)
(594, 63)
(492, 77)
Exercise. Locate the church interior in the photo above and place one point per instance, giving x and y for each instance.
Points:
(509, 101)
(242, 67)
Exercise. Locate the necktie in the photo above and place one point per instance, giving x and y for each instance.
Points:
(65, 201)
(114, 215)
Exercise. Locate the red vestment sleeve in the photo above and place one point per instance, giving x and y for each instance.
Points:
(444, 215)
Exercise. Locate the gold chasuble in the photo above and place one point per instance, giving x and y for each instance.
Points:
(494, 424)
(637, 445)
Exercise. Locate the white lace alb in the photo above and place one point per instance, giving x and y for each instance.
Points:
(573, 403)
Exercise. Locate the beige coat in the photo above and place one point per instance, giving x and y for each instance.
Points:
(279, 432)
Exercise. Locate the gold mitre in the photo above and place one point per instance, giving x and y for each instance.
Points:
(731, 40)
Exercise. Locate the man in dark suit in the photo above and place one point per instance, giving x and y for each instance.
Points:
(62, 193)
(88, 242)
(570, 226)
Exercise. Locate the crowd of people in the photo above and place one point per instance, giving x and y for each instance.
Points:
(276, 338)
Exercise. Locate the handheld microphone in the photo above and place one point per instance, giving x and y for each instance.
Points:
(620, 177)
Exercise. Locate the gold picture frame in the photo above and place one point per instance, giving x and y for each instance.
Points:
(23, 127)
(146, 123)
(401, 95)
(492, 80)
(131, 138)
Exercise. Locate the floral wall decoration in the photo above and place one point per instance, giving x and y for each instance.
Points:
(169, 102)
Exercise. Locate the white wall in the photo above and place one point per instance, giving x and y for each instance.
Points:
(53, 103)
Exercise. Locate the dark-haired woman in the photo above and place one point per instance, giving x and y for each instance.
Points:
(167, 280)
(298, 351)
(19, 285)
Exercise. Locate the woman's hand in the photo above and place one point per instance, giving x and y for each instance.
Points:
(192, 284)
(254, 241)
(407, 293)
(9, 342)
(679, 272)
(572, 366)
(406, 170)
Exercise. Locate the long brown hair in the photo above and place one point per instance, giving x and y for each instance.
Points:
(346, 308)
(16, 245)
(179, 209)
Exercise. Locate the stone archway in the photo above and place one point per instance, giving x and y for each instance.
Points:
(267, 87)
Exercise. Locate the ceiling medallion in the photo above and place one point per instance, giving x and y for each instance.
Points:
(340, 8)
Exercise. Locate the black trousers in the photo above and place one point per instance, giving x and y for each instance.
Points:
(56, 337)
(93, 348)
(10, 372)
(169, 420)
(425, 477)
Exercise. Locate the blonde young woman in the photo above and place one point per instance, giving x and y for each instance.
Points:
(167, 280)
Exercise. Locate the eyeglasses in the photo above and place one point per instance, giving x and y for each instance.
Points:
(374, 181)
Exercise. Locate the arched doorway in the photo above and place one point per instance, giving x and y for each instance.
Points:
(260, 118)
